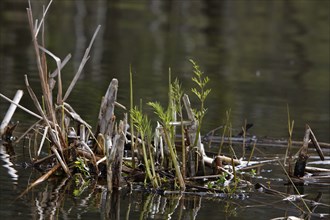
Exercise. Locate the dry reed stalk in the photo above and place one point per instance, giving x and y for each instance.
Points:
(316, 144)
(40, 180)
(194, 136)
(81, 66)
(191, 135)
(28, 130)
(54, 135)
(41, 65)
(38, 106)
(71, 112)
(21, 107)
(63, 63)
(58, 64)
(62, 162)
(42, 141)
(83, 140)
(10, 112)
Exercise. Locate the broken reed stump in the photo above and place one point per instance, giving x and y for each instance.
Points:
(106, 115)
(119, 143)
(299, 169)
(114, 143)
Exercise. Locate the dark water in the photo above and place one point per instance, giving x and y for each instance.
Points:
(260, 56)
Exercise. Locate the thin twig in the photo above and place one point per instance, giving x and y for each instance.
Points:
(42, 19)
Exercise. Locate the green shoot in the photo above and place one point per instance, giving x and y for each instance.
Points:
(290, 130)
(142, 124)
(201, 94)
(225, 128)
(165, 118)
(80, 164)
(244, 136)
(131, 120)
(177, 94)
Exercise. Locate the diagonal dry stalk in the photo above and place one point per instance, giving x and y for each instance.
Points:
(82, 64)
(40, 180)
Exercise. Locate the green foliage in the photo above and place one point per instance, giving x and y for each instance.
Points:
(253, 172)
(141, 123)
(143, 126)
(82, 167)
(226, 130)
(219, 183)
(164, 115)
(200, 91)
(225, 183)
(177, 94)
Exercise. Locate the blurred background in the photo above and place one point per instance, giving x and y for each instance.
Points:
(260, 57)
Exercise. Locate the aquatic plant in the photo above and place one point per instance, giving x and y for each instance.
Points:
(142, 124)
(82, 167)
(201, 92)
(177, 94)
(165, 119)
(226, 128)
(288, 155)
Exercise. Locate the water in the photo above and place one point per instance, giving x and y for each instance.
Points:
(260, 56)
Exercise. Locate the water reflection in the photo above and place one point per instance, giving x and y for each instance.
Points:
(6, 155)
(57, 199)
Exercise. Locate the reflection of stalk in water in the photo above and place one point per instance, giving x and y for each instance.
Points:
(5, 157)
(146, 206)
(48, 202)
(173, 203)
(110, 204)
(189, 206)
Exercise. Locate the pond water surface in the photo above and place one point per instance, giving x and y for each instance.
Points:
(260, 56)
